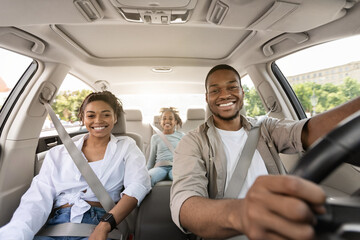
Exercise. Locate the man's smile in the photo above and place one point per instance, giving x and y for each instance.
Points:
(226, 104)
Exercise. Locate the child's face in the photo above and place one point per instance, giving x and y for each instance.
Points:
(168, 122)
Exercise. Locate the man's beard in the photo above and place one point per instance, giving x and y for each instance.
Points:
(226, 118)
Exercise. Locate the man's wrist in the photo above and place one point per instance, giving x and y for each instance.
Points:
(234, 219)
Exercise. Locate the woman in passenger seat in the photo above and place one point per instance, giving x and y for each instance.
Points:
(161, 156)
(60, 189)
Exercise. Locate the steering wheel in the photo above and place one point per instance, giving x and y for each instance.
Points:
(341, 145)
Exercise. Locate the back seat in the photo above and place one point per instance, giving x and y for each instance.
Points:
(194, 118)
(156, 122)
(135, 124)
(154, 216)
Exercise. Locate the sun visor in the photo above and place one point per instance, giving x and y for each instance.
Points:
(266, 14)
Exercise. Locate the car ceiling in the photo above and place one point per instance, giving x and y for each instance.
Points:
(125, 54)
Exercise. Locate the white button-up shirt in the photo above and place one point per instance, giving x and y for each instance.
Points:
(122, 171)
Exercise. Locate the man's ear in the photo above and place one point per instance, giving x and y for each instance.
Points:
(206, 97)
(115, 120)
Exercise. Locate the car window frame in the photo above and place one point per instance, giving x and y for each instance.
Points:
(293, 99)
(16, 92)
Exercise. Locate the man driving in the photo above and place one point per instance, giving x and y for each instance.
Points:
(268, 205)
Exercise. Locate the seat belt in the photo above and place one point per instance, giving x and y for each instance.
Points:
(243, 163)
(75, 229)
(244, 160)
(162, 136)
(92, 180)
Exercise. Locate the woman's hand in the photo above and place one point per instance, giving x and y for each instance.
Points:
(120, 211)
(101, 231)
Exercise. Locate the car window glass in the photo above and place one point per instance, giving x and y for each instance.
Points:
(150, 104)
(12, 67)
(324, 76)
(252, 101)
(66, 104)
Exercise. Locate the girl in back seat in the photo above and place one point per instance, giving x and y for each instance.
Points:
(161, 151)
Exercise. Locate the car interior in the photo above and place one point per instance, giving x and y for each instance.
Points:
(154, 54)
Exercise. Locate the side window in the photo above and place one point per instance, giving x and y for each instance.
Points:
(253, 104)
(12, 67)
(324, 76)
(66, 105)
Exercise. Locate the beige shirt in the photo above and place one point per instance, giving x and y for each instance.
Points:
(200, 166)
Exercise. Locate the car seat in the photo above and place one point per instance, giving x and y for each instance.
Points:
(134, 124)
(195, 117)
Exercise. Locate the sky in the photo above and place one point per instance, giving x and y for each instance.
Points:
(342, 52)
(11, 65)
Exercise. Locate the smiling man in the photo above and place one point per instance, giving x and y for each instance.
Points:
(224, 96)
(267, 206)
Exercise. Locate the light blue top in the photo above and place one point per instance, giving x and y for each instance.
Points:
(159, 151)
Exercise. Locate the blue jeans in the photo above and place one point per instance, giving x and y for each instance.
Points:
(160, 173)
(62, 215)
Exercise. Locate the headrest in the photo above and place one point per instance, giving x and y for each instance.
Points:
(133, 115)
(195, 114)
(156, 119)
(120, 125)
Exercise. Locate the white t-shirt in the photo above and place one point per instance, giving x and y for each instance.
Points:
(234, 142)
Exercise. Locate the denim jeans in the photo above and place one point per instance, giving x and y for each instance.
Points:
(62, 215)
(160, 173)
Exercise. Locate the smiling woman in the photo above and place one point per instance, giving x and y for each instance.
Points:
(117, 161)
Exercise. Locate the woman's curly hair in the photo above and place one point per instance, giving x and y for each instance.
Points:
(105, 96)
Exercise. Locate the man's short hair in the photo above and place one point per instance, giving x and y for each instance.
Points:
(222, 67)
